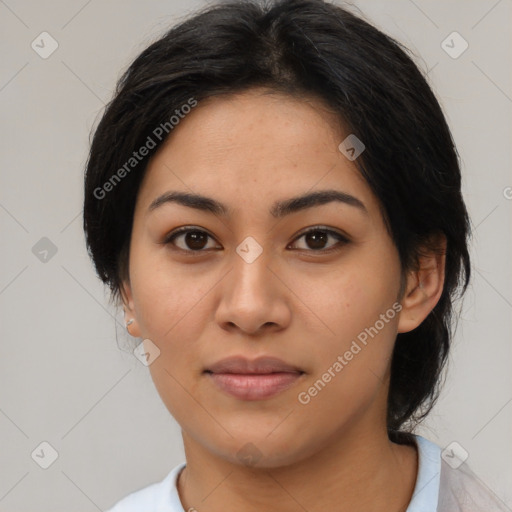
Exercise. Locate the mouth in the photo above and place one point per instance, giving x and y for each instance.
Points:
(258, 379)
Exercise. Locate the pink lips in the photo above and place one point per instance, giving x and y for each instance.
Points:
(253, 380)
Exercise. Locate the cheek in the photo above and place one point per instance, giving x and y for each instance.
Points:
(347, 298)
(358, 312)
(350, 375)
(170, 299)
(172, 311)
(373, 283)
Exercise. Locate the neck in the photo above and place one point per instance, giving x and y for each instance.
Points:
(357, 471)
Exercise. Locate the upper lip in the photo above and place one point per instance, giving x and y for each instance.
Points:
(242, 365)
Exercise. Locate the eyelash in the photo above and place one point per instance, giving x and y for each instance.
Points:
(342, 240)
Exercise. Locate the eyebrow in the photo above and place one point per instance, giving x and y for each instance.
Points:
(279, 208)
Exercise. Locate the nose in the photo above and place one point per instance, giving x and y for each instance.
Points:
(253, 299)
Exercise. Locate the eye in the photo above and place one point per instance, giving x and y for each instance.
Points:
(317, 238)
(192, 239)
(196, 240)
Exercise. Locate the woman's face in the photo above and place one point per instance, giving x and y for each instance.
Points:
(247, 282)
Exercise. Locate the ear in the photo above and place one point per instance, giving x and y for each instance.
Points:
(424, 285)
(129, 310)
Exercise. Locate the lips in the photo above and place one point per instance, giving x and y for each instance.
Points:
(257, 379)
(241, 365)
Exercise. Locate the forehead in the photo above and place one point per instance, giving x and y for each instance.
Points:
(254, 145)
(258, 122)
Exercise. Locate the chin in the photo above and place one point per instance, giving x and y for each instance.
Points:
(262, 450)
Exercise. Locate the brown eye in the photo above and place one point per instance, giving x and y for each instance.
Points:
(317, 238)
(193, 240)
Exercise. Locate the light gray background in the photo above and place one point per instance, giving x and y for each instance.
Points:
(66, 374)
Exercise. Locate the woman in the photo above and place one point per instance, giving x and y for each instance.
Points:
(274, 197)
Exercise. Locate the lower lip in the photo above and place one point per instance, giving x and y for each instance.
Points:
(254, 386)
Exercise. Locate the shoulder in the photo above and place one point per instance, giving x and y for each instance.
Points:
(446, 483)
(461, 489)
(159, 497)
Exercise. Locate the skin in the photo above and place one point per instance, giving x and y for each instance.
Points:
(293, 302)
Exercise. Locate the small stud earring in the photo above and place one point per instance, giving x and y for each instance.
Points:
(130, 322)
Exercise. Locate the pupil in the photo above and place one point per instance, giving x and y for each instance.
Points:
(193, 239)
(318, 238)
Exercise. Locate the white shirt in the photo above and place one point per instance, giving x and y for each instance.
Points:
(439, 488)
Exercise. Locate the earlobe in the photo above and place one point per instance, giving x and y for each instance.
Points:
(424, 288)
